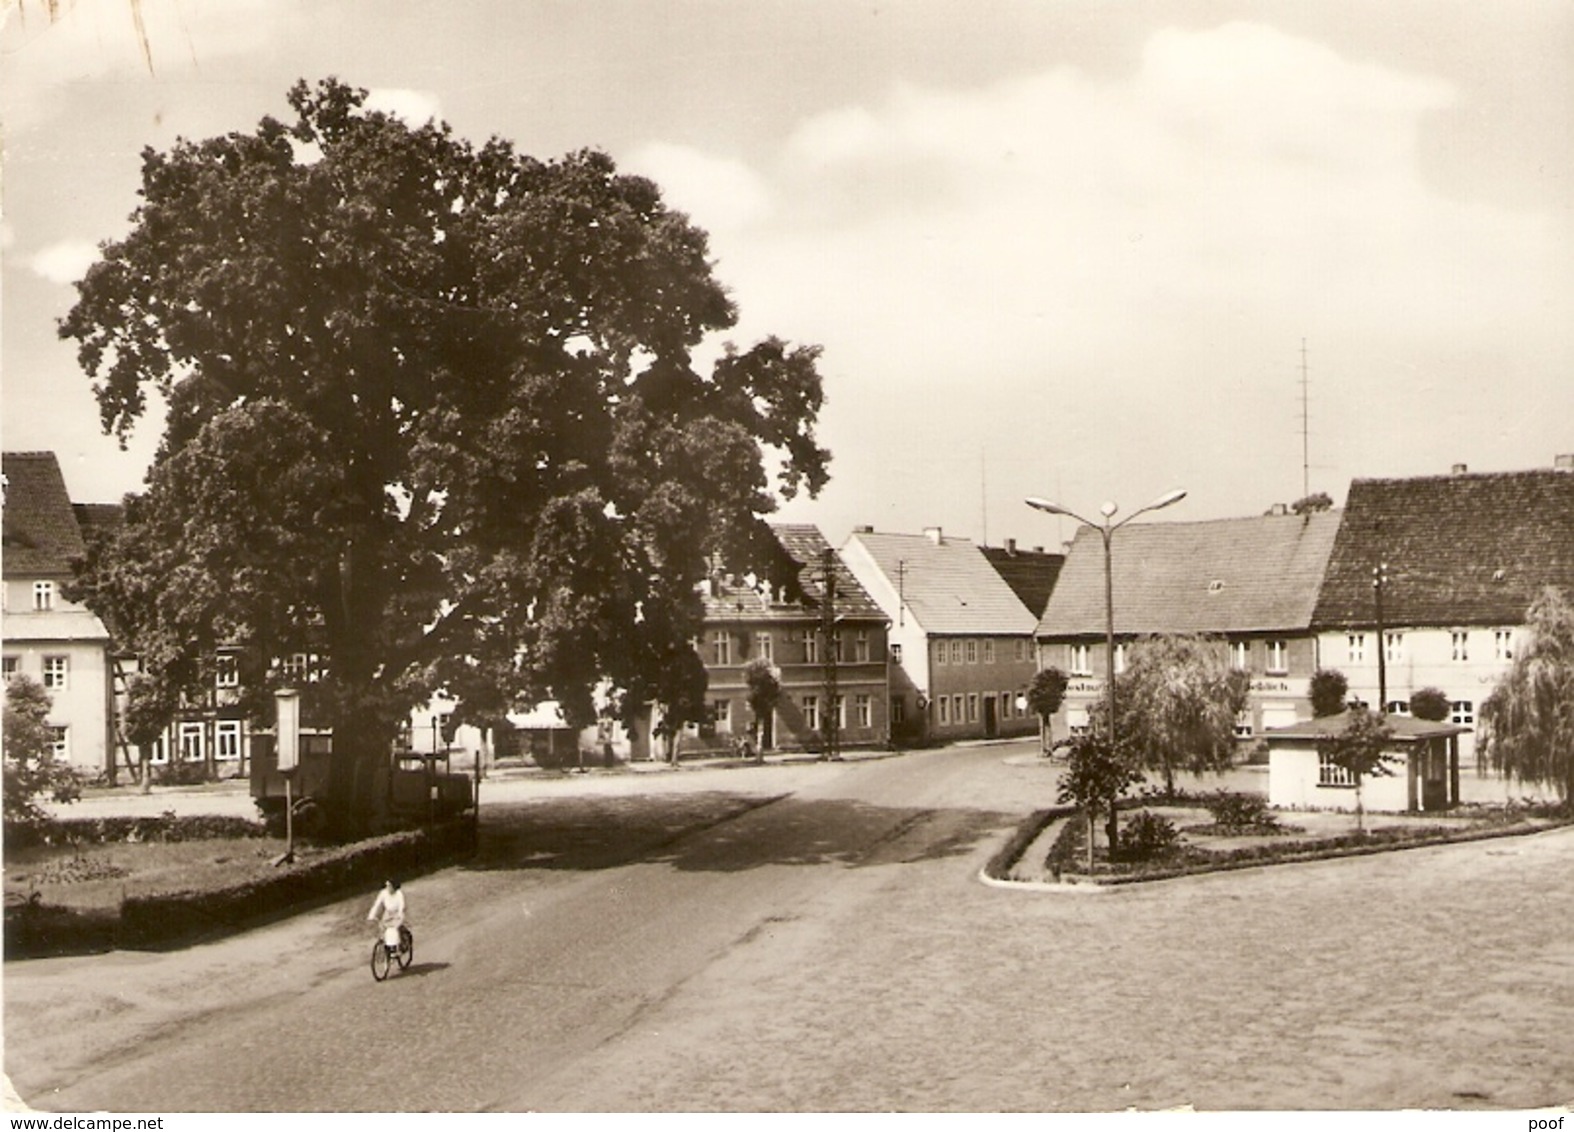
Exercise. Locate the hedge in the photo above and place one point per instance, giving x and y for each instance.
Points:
(98, 831)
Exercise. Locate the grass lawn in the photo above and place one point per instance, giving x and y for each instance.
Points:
(1197, 844)
(98, 877)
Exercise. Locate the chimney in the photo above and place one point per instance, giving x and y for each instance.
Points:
(933, 535)
(1038, 550)
(1279, 509)
(863, 529)
(1459, 469)
(1011, 546)
(1563, 463)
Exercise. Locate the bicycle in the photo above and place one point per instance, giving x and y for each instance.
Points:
(386, 954)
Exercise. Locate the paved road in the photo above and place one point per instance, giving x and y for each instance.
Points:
(814, 938)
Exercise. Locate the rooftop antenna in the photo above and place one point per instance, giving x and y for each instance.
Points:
(983, 489)
(1306, 464)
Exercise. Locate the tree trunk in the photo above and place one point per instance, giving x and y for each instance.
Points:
(1092, 829)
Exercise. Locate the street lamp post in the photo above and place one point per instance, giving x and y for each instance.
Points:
(1106, 530)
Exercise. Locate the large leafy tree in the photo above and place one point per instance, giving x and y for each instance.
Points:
(1178, 700)
(433, 414)
(1527, 723)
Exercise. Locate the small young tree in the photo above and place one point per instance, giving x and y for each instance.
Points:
(1045, 695)
(765, 692)
(1361, 749)
(1095, 777)
(1430, 704)
(1310, 504)
(1527, 723)
(1327, 691)
(30, 766)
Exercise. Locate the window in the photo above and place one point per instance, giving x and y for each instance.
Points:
(1243, 724)
(43, 595)
(1461, 645)
(1021, 649)
(1462, 711)
(861, 645)
(1081, 662)
(56, 669)
(721, 647)
(1330, 773)
(1005, 705)
(972, 651)
(158, 754)
(10, 666)
(294, 667)
(764, 646)
(835, 640)
(956, 709)
(1356, 645)
(840, 713)
(1077, 720)
(896, 654)
(956, 652)
(811, 646)
(899, 710)
(721, 712)
(1278, 656)
(865, 709)
(811, 713)
(191, 742)
(989, 650)
(944, 703)
(60, 743)
(1241, 655)
(1398, 707)
(1120, 657)
(226, 670)
(226, 740)
(1393, 647)
(972, 707)
(1503, 644)
(940, 651)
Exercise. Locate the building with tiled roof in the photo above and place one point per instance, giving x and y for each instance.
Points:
(827, 645)
(1252, 582)
(1031, 574)
(56, 642)
(961, 638)
(1461, 557)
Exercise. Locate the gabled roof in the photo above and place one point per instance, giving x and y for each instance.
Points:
(947, 584)
(733, 599)
(1256, 574)
(1031, 574)
(1467, 549)
(41, 535)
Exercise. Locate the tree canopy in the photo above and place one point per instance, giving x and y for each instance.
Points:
(1328, 689)
(1527, 723)
(1177, 702)
(30, 766)
(433, 415)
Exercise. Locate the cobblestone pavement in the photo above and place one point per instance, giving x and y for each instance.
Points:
(814, 938)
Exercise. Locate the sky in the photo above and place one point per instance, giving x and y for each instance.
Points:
(1090, 251)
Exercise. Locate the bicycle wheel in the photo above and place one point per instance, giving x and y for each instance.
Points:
(381, 960)
(406, 953)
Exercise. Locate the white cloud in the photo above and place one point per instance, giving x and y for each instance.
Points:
(414, 107)
(718, 193)
(64, 262)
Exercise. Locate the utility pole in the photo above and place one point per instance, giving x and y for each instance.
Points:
(831, 725)
(1379, 581)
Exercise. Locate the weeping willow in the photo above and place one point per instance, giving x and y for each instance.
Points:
(1527, 723)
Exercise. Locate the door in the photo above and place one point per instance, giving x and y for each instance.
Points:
(990, 727)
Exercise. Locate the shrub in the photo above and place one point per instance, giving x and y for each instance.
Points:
(1148, 836)
(1430, 704)
(1232, 811)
